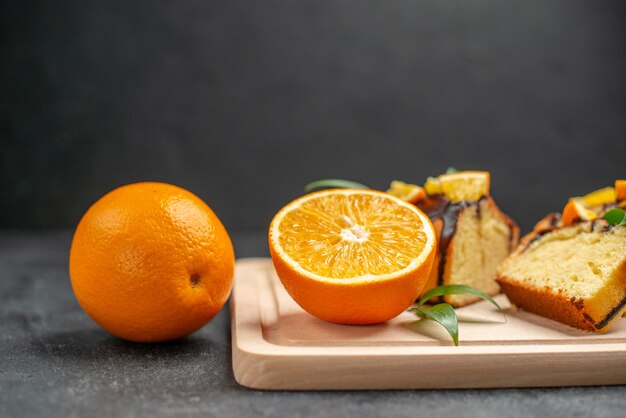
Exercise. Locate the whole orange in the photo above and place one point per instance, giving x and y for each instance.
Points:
(151, 262)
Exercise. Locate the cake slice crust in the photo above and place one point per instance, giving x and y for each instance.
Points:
(575, 275)
(484, 237)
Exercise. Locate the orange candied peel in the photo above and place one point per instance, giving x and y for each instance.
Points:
(575, 211)
(620, 190)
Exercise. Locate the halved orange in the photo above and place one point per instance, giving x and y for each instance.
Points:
(352, 256)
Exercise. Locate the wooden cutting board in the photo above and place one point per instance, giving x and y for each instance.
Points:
(278, 346)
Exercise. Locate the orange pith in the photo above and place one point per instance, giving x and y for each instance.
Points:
(352, 256)
(151, 262)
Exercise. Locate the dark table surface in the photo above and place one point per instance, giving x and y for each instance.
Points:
(55, 361)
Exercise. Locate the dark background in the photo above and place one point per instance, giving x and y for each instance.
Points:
(244, 102)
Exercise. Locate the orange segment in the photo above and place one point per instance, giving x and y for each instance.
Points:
(575, 211)
(352, 256)
(465, 185)
(460, 186)
(620, 190)
(598, 197)
(411, 193)
(432, 186)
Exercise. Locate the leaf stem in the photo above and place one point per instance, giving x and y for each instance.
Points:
(444, 313)
(334, 183)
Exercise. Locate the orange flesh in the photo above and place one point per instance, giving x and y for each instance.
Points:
(408, 192)
(352, 236)
(599, 197)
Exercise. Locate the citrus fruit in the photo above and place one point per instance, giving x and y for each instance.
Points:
(151, 262)
(465, 185)
(594, 204)
(620, 190)
(411, 193)
(598, 197)
(352, 256)
(460, 186)
(575, 211)
(432, 186)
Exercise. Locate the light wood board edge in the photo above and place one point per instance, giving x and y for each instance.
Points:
(259, 364)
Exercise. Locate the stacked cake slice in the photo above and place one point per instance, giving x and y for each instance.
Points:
(572, 266)
(474, 234)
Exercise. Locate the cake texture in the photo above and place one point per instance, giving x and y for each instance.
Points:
(474, 235)
(574, 274)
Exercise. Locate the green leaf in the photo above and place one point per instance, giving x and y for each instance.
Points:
(444, 314)
(334, 183)
(456, 289)
(451, 170)
(616, 216)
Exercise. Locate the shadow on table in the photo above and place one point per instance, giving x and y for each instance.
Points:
(94, 344)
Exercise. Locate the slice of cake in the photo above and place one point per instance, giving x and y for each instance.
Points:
(572, 267)
(474, 235)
